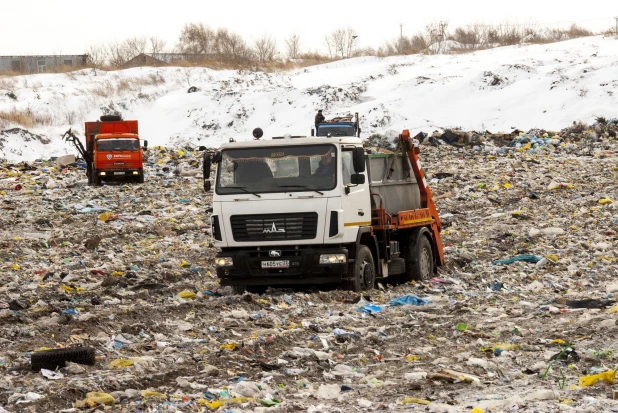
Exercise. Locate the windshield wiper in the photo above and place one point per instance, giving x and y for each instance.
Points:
(242, 188)
(300, 186)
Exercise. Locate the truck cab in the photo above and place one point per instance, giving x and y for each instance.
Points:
(300, 210)
(339, 127)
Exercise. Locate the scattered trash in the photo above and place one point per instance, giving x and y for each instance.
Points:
(523, 257)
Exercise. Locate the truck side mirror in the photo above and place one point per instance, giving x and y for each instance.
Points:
(357, 179)
(206, 165)
(145, 145)
(359, 160)
(216, 157)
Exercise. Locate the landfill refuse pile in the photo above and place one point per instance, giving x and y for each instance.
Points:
(109, 302)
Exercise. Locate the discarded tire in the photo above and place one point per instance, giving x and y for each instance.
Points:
(192, 89)
(51, 359)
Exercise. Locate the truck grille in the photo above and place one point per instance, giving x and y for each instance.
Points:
(274, 227)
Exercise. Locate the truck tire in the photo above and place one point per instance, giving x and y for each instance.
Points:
(419, 258)
(140, 179)
(97, 180)
(51, 359)
(361, 274)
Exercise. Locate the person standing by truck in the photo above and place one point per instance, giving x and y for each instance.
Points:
(319, 118)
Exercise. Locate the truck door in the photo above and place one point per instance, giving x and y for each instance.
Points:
(356, 201)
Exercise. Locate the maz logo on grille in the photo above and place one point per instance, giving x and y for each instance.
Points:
(273, 229)
(274, 253)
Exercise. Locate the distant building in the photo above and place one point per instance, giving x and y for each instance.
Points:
(163, 59)
(40, 64)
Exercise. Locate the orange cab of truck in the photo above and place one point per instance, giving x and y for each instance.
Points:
(114, 147)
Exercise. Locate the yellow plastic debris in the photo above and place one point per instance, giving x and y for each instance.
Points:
(604, 201)
(557, 341)
(95, 398)
(608, 377)
(106, 216)
(614, 309)
(38, 350)
(218, 403)
(411, 400)
(552, 257)
(117, 273)
(120, 363)
(506, 347)
(187, 294)
(476, 410)
(230, 346)
(66, 289)
(507, 185)
(150, 393)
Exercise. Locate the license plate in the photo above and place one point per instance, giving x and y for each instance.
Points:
(118, 173)
(276, 264)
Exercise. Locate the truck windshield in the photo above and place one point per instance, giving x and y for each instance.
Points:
(335, 130)
(277, 169)
(117, 144)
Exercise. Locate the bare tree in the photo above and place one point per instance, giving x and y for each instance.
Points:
(157, 45)
(437, 35)
(136, 45)
(118, 54)
(196, 39)
(292, 44)
(232, 47)
(265, 48)
(97, 56)
(342, 42)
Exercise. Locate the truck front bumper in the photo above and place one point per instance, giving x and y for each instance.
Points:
(303, 267)
(119, 173)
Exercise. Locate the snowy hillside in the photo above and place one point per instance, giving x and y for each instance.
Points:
(546, 86)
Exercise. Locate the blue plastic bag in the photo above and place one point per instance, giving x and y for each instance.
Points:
(409, 299)
(370, 309)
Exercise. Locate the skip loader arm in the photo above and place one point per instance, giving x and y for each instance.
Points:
(426, 200)
(69, 136)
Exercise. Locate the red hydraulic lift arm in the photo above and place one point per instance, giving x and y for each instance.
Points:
(426, 199)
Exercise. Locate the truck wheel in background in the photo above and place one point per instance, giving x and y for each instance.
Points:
(419, 258)
(140, 179)
(97, 180)
(362, 272)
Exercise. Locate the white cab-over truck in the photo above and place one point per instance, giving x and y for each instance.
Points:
(320, 210)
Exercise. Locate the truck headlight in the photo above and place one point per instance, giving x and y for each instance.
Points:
(332, 259)
(224, 262)
(135, 172)
(102, 173)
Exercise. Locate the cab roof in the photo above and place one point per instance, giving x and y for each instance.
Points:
(264, 143)
(117, 135)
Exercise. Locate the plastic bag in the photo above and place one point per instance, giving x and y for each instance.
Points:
(608, 377)
(409, 299)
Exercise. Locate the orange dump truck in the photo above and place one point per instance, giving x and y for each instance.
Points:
(113, 150)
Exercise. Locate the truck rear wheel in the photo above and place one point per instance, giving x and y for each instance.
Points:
(361, 274)
(419, 258)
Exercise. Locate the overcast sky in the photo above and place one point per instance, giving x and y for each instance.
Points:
(70, 26)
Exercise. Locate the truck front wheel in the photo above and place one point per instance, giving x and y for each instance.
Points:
(361, 274)
(419, 258)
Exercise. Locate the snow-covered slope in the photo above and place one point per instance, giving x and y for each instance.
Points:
(547, 86)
